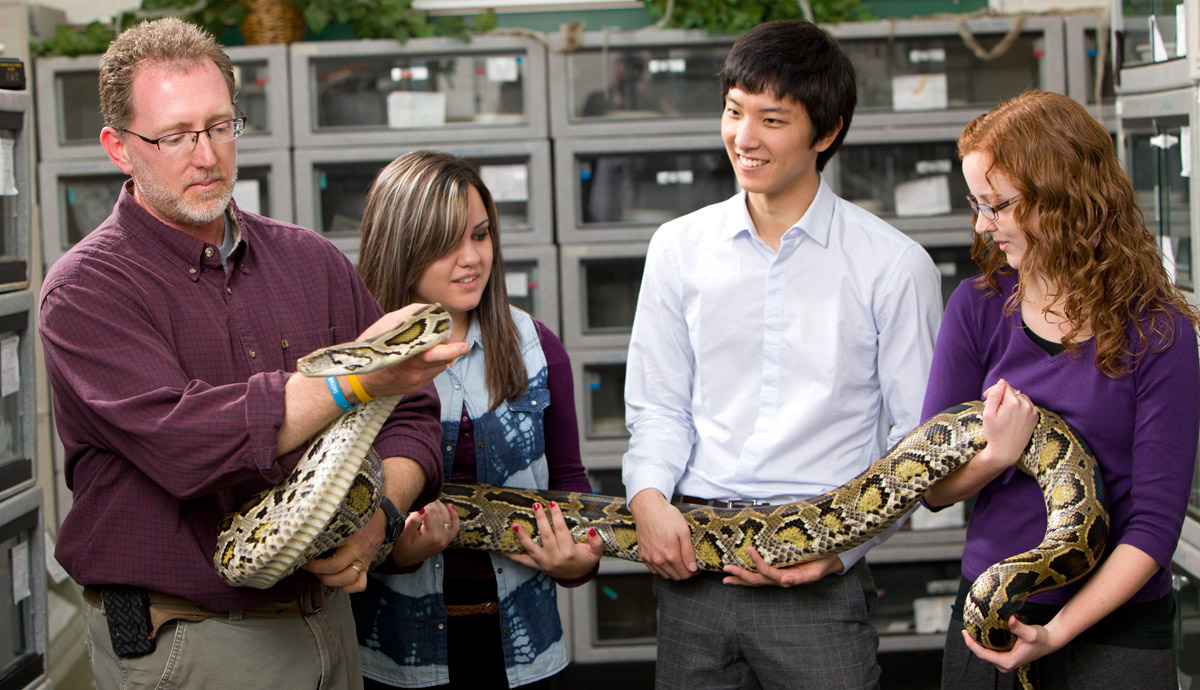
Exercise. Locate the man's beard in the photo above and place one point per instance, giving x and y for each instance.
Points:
(180, 208)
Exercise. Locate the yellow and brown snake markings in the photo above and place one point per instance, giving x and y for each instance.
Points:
(336, 486)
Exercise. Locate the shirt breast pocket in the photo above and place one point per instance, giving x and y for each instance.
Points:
(523, 424)
(296, 345)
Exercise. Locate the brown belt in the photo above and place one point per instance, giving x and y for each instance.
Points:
(473, 609)
(720, 502)
(165, 608)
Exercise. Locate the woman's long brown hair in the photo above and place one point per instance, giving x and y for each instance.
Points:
(415, 213)
(1090, 244)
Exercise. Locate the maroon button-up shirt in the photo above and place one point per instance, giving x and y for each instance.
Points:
(168, 379)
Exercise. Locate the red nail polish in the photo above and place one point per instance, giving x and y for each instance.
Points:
(516, 528)
(421, 511)
(592, 532)
(553, 504)
(537, 506)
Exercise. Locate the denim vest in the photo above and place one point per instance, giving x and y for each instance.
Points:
(401, 619)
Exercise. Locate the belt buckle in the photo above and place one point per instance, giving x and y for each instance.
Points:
(745, 503)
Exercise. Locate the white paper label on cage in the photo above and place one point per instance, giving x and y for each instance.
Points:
(502, 68)
(1158, 47)
(665, 177)
(8, 178)
(1185, 145)
(930, 55)
(506, 182)
(674, 65)
(919, 92)
(517, 284)
(56, 572)
(1168, 256)
(415, 109)
(942, 167)
(10, 368)
(20, 571)
(415, 73)
(248, 196)
(925, 196)
(1181, 38)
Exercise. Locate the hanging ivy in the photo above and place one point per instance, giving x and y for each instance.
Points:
(734, 19)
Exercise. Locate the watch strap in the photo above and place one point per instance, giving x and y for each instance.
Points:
(395, 519)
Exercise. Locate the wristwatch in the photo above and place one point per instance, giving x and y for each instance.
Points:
(395, 520)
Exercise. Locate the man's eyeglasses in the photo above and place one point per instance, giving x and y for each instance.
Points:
(987, 210)
(183, 143)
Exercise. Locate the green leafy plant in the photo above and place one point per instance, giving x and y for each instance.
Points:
(94, 38)
(737, 18)
(396, 19)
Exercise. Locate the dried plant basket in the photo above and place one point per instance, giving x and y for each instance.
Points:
(272, 21)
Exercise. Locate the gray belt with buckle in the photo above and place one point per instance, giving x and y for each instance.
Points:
(726, 503)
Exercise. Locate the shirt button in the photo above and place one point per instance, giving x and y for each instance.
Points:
(499, 571)
(208, 251)
(437, 565)
(253, 354)
(228, 290)
(192, 270)
(449, 448)
(481, 444)
(441, 626)
(458, 386)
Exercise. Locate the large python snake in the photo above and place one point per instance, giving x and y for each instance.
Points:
(336, 485)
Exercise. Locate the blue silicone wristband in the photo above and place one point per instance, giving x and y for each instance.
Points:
(336, 391)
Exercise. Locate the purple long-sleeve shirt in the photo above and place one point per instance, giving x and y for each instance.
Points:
(168, 378)
(1142, 428)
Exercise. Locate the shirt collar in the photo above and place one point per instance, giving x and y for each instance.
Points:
(815, 222)
(475, 334)
(176, 244)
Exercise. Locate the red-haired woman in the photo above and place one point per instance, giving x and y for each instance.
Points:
(1073, 312)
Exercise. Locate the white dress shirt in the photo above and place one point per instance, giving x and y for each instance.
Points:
(770, 375)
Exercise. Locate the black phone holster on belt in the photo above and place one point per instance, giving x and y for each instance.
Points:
(127, 609)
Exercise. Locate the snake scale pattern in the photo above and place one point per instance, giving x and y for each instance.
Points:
(335, 489)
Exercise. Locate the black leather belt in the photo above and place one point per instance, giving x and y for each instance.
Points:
(726, 503)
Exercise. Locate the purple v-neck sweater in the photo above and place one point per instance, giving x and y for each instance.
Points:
(1142, 428)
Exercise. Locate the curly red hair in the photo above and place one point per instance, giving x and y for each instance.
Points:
(1090, 244)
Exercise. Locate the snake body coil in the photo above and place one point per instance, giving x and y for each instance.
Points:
(280, 529)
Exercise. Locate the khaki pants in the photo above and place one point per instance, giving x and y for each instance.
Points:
(319, 650)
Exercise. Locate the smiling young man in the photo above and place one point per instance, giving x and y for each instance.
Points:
(777, 334)
(171, 335)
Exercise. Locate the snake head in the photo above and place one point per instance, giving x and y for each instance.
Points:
(425, 328)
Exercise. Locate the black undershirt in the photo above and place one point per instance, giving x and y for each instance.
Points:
(1048, 345)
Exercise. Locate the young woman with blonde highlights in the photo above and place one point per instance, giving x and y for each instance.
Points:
(459, 618)
(1073, 312)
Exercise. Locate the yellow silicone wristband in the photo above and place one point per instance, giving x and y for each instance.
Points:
(359, 391)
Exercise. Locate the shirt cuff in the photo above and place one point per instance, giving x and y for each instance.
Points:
(649, 478)
(581, 580)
